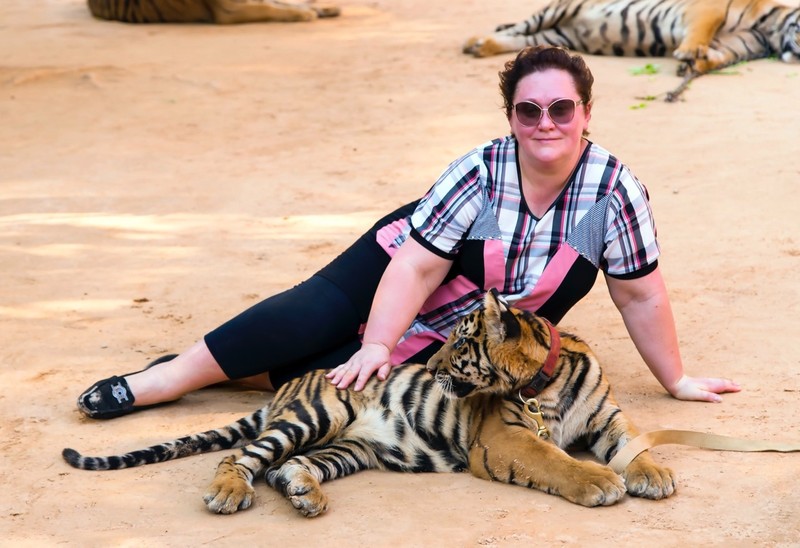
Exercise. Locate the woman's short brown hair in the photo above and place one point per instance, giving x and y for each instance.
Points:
(535, 58)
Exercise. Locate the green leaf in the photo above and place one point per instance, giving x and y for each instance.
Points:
(648, 69)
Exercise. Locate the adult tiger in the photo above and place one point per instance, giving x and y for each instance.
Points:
(703, 34)
(471, 408)
(223, 12)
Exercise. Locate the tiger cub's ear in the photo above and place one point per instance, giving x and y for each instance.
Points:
(501, 323)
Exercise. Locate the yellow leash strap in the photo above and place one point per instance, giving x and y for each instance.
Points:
(716, 442)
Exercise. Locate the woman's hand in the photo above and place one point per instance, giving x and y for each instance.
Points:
(412, 275)
(702, 389)
(360, 367)
(645, 308)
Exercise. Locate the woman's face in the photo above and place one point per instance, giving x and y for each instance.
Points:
(547, 143)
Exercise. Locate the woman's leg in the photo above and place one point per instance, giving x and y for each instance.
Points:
(283, 329)
(311, 324)
(286, 331)
(188, 371)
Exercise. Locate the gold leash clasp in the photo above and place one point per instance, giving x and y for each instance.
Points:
(532, 409)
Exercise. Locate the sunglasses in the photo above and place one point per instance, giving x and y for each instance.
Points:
(560, 111)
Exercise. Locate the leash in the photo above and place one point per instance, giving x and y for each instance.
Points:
(716, 442)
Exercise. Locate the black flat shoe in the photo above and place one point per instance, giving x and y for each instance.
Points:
(112, 397)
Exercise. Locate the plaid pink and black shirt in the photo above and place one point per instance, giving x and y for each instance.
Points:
(475, 215)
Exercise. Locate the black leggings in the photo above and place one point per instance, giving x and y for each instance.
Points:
(315, 324)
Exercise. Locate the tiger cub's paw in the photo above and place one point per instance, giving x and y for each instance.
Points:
(593, 484)
(644, 478)
(300, 487)
(230, 491)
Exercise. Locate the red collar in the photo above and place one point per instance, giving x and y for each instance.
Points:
(544, 375)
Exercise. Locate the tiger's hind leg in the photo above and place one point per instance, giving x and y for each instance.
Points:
(549, 25)
(511, 39)
(729, 49)
(294, 427)
(299, 478)
(232, 487)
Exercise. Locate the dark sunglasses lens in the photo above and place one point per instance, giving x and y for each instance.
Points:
(528, 113)
(562, 111)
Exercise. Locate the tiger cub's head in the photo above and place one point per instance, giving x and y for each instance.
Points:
(496, 349)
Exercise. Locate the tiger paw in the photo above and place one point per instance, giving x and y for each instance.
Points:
(644, 478)
(308, 500)
(699, 60)
(593, 484)
(483, 47)
(691, 53)
(230, 491)
(301, 488)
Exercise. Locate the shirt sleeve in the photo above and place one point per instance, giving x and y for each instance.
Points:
(444, 215)
(631, 247)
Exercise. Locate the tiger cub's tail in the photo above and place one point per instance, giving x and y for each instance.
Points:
(238, 434)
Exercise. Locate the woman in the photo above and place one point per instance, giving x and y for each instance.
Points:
(535, 215)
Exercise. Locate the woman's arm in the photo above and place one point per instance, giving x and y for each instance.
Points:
(645, 309)
(412, 275)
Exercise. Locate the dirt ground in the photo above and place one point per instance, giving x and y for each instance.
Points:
(156, 180)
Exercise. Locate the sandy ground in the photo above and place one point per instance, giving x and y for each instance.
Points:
(157, 180)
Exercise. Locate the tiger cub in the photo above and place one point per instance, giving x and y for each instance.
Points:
(472, 408)
(703, 34)
(223, 12)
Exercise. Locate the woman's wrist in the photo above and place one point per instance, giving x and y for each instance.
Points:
(674, 387)
(377, 343)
